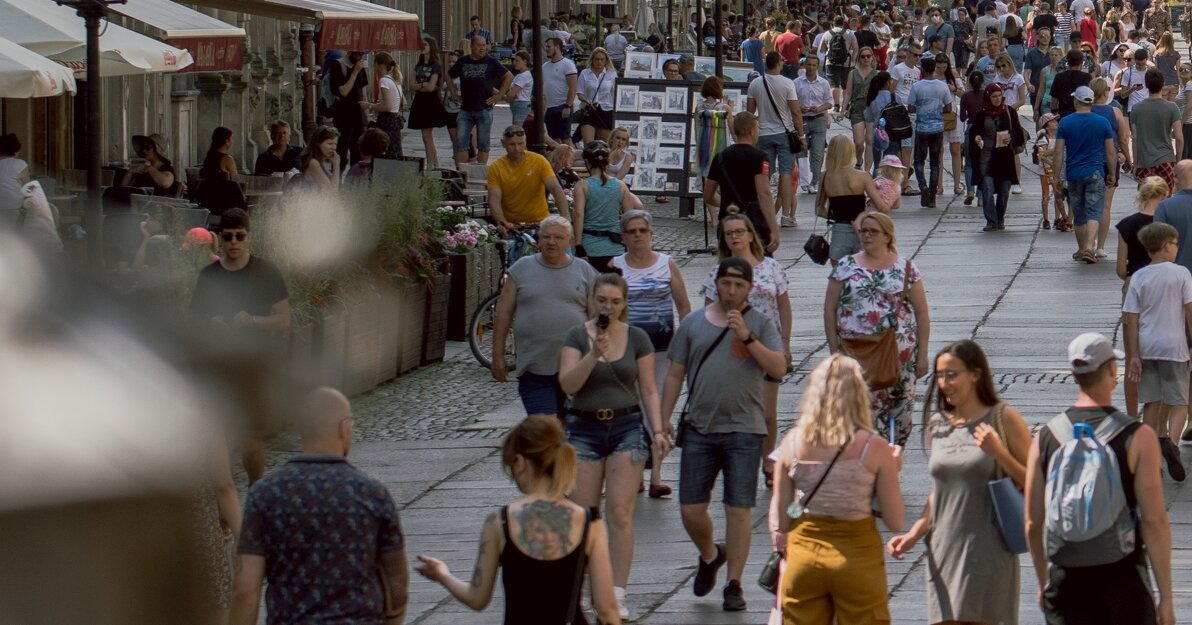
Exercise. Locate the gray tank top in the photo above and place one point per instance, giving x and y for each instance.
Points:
(1166, 64)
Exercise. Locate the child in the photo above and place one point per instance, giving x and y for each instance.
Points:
(1158, 314)
(1132, 256)
(889, 181)
(1044, 145)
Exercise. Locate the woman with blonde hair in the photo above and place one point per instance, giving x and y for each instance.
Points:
(1167, 61)
(973, 437)
(769, 295)
(388, 109)
(1132, 256)
(829, 467)
(843, 190)
(870, 293)
(540, 540)
(597, 82)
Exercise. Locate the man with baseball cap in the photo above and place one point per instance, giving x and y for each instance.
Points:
(1084, 143)
(722, 351)
(1117, 592)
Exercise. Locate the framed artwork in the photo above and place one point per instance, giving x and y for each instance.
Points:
(674, 132)
(676, 100)
(735, 71)
(641, 64)
(651, 102)
(650, 129)
(694, 185)
(645, 178)
(663, 58)
(647, 155)
(706, 65)
(669, 158)
(627, 96)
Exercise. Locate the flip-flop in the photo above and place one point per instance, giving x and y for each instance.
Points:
(1089, 257)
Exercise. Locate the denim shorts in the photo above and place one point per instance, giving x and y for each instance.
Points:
(1086, 197)
(597, 440)
(482, 121)
(843, 241)
(778, 152)
(737, 454)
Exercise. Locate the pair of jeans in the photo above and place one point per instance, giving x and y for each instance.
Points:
(928, 146)
(557, 126)
(815, 131)
(1086, 198)
(778, 152)
(995, 215)
(1017, 54)
(737, 454)
(541, 394)
(520, 109)
(970, 185)
(482, 121)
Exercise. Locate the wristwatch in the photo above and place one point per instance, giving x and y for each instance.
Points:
(749, 339)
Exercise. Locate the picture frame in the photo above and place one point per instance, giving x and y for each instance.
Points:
(669, 158)
(647, 155)
(644, 178)
(676, 101)
(674, 133)
(627, 98)
(706, 65)
(694, 185)
(651, 102)
(632, 126)
(650, 129)
(663, 57)
(735, 71)
(641, 64)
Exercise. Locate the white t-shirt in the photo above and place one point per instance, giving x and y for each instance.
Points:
(1002, 8)
(815, 44)
(1158, 293)
(904, 77)
(394, 91)
(1076, 8)
(598, 88)
(1010, 87)
(11, 196)
(554, 81)
(783, 90)
(1133, 76)
(525, 81)
(616, 44)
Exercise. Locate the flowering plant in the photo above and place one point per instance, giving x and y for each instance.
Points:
(467, 237)
(451, 216)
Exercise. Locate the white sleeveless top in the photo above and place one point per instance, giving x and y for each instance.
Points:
(11, 197)
(650, 301)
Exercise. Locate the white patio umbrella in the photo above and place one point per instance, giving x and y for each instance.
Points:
(58, 33)
(27, 74)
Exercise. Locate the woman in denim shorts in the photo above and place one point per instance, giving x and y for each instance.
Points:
(602, 365)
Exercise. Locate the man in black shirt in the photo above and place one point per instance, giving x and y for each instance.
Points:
(741, 173)
(1066, 82)
(1045, 19)
(482, 83)
(244, 300)
(348, 80)
(281, 156)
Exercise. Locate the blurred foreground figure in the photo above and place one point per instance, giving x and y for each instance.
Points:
(100, 463)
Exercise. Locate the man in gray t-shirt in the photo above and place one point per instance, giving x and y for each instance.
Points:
(1155, 124)
(544, 296)
(723, 351)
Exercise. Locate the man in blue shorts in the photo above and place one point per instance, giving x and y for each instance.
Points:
(480, 75)
(1084, 143)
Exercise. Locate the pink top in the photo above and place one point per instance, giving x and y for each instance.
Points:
(847, 492)
(887, 189)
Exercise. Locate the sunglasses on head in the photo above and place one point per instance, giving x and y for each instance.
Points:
(514, 133)
(229, 236)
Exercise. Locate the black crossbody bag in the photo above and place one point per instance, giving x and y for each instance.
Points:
(695, 376)
(793, 137)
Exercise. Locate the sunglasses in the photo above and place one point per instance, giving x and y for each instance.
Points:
(514, 133)
(229, 236)
(867, 56)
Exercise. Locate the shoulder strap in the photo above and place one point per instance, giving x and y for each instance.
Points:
(581, 562)
(815, 489)
(777, 111)
(505, 522)
(1061, 428)
(1111, 426)
(698, 366)
(1001, 432)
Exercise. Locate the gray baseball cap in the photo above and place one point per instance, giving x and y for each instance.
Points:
(1087, 352)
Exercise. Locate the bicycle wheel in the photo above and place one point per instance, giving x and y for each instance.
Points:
(480, 334)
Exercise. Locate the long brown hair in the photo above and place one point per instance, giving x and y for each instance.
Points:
(973, 357)
(433, 44)
(755, 246)
(384, 60)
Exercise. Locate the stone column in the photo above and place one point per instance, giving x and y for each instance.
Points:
(236, 117)
(184, 117)
(310, 86)
(289, 90)
(211, 111)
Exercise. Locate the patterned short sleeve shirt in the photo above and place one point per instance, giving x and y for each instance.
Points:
(321, 526)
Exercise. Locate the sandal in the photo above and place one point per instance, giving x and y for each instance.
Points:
(958, 191)
(658, 491)
(1046, 225)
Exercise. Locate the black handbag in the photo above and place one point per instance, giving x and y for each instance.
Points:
(817, 247)
(793, 137)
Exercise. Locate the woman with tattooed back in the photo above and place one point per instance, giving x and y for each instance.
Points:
(542, 540)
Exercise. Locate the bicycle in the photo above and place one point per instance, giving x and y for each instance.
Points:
(520, 241)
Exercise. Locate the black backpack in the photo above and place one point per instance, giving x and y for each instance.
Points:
(838, 48)
(898, 121)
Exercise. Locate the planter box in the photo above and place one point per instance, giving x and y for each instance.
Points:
(474, 276)
(331, 348)
(390, 334)
(434, 336)
(301, 350)
(362, 344)
(411, 319)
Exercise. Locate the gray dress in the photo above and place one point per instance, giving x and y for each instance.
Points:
(970, 574)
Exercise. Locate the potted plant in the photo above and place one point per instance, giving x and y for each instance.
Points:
(472, 252)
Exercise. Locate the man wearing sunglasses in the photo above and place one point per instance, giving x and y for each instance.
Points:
(519, 181)
(243, 298)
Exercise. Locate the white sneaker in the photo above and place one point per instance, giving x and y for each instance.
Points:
(805, 188)
(813, 189)
(622, 609)
(1016, 189)
(787, 222)
(1100, 253)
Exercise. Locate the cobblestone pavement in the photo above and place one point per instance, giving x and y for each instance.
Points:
(431, 435)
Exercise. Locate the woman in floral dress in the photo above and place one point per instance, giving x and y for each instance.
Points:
(864, 298)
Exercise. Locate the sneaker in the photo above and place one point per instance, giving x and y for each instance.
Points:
(813, 189)
(705, 575)
(805, 188)
(989, 228)
(734, 597)
(787, 222)
(1171, 453)
(622, 609)
(1016, 189)
(1100, 253)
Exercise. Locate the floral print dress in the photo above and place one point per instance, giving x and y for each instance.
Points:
(870, 303)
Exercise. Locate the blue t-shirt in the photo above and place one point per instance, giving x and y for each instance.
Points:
(1084, 136)
(929, 97)
(1036, 60)
(753, 53)
(986, 66)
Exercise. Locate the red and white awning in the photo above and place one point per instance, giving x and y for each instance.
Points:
(346, 24)
(213, 45)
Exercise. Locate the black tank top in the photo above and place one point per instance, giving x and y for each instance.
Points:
(844, 209)
(537, 591)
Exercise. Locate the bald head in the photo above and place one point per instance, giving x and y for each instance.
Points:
(1183, 173)
(325, 412)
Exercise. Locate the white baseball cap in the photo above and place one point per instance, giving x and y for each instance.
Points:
(1087, 352)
